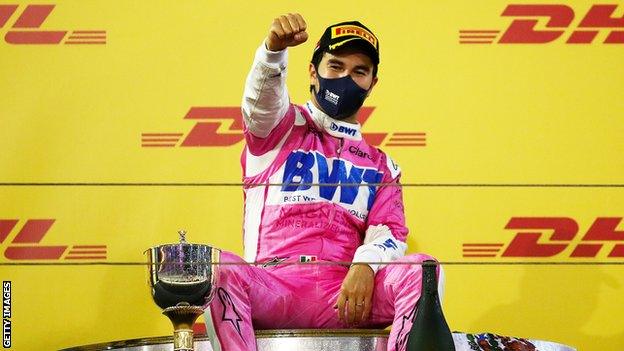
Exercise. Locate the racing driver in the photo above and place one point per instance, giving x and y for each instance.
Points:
(312, 243)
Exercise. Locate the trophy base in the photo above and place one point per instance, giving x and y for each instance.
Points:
(183, 316)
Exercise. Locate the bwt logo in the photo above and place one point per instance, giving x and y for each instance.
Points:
(223, 127)
(23, 31)
(541, 24)
(25, 245)
(342, 129)
(331, 97)
(530, 241)
(301, 169)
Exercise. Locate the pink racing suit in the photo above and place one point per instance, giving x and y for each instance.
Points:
(300, 222)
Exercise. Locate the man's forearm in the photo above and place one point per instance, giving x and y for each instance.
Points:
(379, 246)
(265, 98)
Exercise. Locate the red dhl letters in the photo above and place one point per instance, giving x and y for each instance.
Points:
(531, 241)
(223, 127)
(32, 17)
(556, 21)
(26, 244)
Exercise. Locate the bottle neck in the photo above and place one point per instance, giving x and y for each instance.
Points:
(429, 277)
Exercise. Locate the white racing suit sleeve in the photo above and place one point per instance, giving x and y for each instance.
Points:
(265, 99)
(379, 246)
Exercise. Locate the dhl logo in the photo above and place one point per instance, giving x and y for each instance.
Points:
(26, 244)
(223, 127)
(541, 24)
(23, 31)
(530, 241)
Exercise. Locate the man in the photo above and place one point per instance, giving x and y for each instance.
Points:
(299, 221)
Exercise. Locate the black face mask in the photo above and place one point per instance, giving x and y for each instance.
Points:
(339, 98)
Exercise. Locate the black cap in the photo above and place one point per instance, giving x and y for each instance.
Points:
(349, 33)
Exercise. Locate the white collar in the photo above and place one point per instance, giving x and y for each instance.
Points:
(334, 127)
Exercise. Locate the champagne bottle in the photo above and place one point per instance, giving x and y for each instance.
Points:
(430, 332)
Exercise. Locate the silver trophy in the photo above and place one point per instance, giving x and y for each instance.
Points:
(183, 279)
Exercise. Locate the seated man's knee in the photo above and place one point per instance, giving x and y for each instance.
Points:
(231, 269)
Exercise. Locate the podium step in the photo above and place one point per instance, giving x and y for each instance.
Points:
(331, 340)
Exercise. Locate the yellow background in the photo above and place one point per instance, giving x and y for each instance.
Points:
(493, 114)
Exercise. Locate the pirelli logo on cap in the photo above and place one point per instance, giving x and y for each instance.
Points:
(341, 31)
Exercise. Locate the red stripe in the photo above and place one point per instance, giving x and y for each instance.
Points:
(410, 134)
(475, 42)
(6, 226)
(474, 255)
(161, 134)
(487, 245)
(477, 36)
(89, 247)
(85, 42)
(404, 144)
(33, 16)
(478, 31)
(157, 139)
(78, 252)
(85, 257)
(87, 37)
(481, 250)
(158, 145)
(6, 11)
(408, 139)
(89, 32)
(38, 37)
(33, 231)
(34, 252)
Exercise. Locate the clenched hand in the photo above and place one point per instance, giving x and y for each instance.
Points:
(286, 30)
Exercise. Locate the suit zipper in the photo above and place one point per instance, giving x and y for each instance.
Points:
(333, 210)
(340, 147)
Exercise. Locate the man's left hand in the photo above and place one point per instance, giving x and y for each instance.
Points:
(355, 299)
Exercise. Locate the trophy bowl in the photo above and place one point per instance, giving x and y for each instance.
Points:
(183, 279)
(183, 272)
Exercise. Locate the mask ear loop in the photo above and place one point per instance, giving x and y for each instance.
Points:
(312, 87)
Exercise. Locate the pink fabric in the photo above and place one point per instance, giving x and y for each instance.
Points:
(297, 222)
(302, 220)
(259, 146)
(303, 296)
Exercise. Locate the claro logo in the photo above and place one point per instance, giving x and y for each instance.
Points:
(25, 245)
(223, 127)
(544, 23)
(552, 236)
(27, 21)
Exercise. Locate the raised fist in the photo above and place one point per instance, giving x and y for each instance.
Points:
(286, 30)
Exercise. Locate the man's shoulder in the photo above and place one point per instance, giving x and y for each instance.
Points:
(389, 163)
(374, 156)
